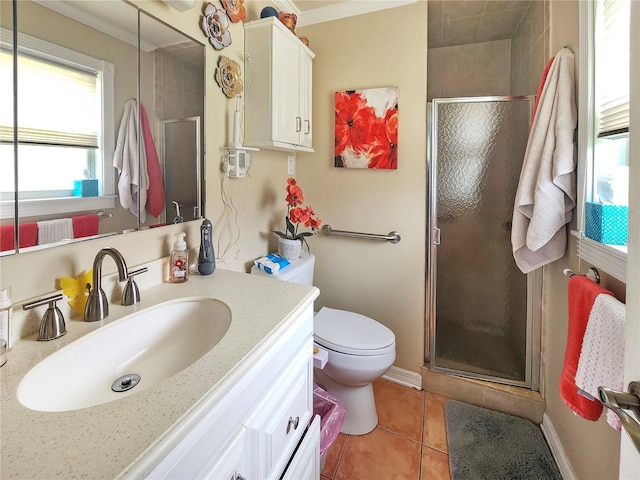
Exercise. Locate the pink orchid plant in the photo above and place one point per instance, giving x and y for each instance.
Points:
(298, 215)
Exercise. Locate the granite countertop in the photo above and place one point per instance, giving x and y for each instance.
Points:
(128, 437)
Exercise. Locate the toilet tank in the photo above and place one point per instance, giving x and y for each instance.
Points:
(298, 271)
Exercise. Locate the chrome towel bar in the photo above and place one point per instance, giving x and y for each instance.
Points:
(592, 274)
(393, 237)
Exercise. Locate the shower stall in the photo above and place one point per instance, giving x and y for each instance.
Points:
(481, 310)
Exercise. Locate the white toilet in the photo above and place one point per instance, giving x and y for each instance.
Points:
(360, 351)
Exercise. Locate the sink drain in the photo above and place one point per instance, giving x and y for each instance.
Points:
(126, 382)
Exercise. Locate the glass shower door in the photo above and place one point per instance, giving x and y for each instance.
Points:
(480, 325)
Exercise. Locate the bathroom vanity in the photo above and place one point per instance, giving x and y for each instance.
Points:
(241, 411)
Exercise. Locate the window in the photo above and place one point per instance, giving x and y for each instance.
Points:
(57, 153)
(603, 143)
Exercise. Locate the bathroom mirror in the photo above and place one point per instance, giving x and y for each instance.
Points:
(86, 70)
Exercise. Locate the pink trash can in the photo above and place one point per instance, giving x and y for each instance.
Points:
(331, 411)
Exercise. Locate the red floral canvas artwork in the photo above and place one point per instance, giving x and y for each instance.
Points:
(366, 128)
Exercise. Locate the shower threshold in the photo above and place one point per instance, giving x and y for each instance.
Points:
(519, 401)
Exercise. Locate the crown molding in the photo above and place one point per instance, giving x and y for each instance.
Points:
(343, 10)
(287, 6)
(68, 9)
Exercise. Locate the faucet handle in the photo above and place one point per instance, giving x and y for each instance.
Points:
(131, 293)
(52, 325)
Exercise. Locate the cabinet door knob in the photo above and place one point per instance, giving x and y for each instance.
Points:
(298, 124)
(293, 423)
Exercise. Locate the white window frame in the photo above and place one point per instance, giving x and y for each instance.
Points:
(54, 206)
(609, 258)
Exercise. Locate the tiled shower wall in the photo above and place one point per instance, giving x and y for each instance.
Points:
(530, 49)
(501, 67)
(179, 81)
(472, 70)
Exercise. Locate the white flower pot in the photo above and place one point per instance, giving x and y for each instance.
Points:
(289, 249)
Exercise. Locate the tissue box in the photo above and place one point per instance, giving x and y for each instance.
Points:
(607, 223)
(272, 263)
(85, 188)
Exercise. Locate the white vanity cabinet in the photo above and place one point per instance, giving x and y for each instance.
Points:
(278, 87)
(254, 428)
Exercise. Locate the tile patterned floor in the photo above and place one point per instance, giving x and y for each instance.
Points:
(410, 441)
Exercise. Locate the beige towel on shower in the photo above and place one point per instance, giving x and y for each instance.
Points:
(133, 180)
(546, 194)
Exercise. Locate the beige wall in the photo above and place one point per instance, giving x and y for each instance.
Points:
(384, 281)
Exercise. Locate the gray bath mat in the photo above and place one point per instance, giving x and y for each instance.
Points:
(484, 444)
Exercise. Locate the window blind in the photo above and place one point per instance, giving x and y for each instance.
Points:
(57, 104)
(612, 67)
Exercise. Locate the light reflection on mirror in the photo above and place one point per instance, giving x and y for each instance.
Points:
(66, 173)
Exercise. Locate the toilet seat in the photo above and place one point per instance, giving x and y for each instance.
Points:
(351, 333)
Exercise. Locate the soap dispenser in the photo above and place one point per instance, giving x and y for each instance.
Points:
(179, 270)
(206, 257)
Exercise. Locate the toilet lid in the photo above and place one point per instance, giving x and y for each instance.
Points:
(351, 333)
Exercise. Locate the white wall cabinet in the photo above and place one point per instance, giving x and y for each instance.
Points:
(278, 88)
(253, 430)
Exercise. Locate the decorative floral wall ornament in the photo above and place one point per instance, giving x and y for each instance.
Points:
(235, 10)
(215, 25)
(289, 20)
(366, 128)
(228, 76)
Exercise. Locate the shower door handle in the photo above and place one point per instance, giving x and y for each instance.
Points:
(436, 236)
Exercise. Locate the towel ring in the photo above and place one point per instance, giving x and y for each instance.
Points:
(591, 274)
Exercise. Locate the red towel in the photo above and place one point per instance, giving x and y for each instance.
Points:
(85, 225)
(543, 79)
(582, 293)
(155, 192)
(28, 236)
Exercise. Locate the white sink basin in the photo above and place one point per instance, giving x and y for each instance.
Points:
(154, 344)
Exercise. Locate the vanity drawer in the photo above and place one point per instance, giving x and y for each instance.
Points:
(305, 464)
(281, 419)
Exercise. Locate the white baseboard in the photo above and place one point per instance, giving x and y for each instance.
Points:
(557, 450)
(404, 377)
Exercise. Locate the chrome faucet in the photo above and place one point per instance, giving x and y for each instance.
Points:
(97, 307)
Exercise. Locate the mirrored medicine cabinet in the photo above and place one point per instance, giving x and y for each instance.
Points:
(72, 68)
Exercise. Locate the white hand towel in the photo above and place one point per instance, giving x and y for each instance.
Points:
(601, 360)
(51, 231)
(546, 193)
(133, 181)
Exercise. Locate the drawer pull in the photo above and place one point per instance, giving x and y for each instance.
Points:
(293, 423)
